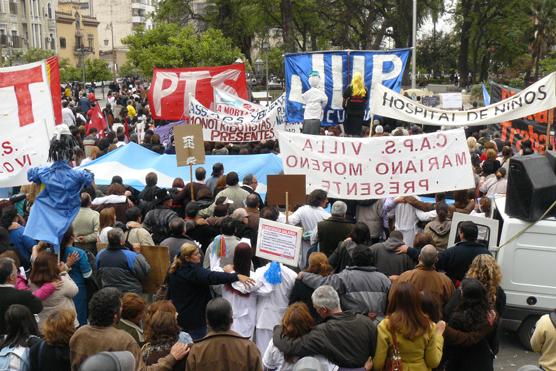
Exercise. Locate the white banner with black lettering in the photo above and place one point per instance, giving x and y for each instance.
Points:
(365, 168)
(536, 98)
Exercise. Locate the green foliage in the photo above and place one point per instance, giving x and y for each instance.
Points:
(169, 45)
(437, 53)
(276, 62)
(97, 70)
(34, 55)
(548, 65)
(68, 73)
(128, 70)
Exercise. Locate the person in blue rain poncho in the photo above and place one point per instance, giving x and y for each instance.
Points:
(58, 203)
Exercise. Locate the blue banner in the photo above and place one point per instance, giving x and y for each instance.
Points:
(336, 69)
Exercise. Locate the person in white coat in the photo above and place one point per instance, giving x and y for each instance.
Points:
(315, 100)
(308, 216)
(274, 283)
(244, 303)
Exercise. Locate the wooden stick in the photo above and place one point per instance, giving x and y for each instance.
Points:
(191, 181)
(287, 207)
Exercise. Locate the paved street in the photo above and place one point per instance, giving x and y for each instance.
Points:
(512, 355)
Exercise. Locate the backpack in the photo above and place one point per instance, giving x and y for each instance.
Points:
(14, 358)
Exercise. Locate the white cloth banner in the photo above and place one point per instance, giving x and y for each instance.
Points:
(540, 96)
(27, 121)
(233, 105)
(365, 168)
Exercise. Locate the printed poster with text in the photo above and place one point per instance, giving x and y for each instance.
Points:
(27, 121)
(279, 242)
(368, 168)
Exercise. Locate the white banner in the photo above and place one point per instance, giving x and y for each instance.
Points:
(233, 105)
(365, 168)
(27, 121)
(538, 97)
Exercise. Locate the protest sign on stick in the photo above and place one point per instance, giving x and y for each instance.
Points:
(279, 242)
(190, 148)
(286, 190)
(158, 258)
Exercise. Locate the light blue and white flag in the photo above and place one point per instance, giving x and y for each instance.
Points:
(132, 162)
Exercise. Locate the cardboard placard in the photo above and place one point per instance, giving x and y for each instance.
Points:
(279, 242)
(278, 185)
(190, 147)
(158, 258)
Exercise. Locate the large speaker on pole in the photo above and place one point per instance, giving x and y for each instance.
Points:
(531, 187)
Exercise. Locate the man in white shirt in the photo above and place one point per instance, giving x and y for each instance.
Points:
(314, 100)
(67, 114)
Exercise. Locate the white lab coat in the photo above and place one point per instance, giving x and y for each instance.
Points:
(273, 359)
(272, 301)
(315, 100)
(406, 221)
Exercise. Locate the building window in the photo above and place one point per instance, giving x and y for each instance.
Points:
(90, 40)
(62, 42)
(13, 7)
(52, 42)
(49, 11)
(105, 42)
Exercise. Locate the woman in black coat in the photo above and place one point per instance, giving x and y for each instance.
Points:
(188, 288)
(469, 312)
(341, 257)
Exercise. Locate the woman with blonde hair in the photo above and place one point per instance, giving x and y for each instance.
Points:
(485, 269)
(188, 288)
(318, 264)
(354, 104)
(53, 353)
(107, 220)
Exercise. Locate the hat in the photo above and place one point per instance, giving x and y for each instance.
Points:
(314, 74)
(109, 361)
(161, 196)
(379, 129)
(308, 364)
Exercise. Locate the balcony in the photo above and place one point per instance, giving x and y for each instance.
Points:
(139, 5)
(84, 51)
(138, 19)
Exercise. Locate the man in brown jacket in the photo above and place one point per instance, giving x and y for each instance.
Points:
(223, 349)
(425, 278)
(100, 335)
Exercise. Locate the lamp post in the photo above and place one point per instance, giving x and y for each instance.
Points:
(259, 68)
(414, 44)
(266, 48)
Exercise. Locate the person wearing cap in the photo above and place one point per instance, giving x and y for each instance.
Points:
(217, 172)
(379, 130)
(157, 221)
(99, 345)
(314, 100)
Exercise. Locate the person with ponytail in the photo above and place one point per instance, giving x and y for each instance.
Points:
(244, 304)
(318, 264)
(188, 288)
(354, 104)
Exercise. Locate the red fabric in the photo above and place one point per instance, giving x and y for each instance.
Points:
(97, 120)
(170, 88)
(53, 70)
(20, 80)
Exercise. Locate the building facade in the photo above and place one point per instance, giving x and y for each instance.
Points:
(77, 32)
(26, 24)
(118, 19)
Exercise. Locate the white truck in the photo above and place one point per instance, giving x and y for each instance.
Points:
(528, 263)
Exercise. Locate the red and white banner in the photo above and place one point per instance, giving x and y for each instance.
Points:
(233, 105)
(170, 88)
(27, 121)
(53, 72)
(365, 168)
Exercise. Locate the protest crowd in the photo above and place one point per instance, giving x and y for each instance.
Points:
(377, 286)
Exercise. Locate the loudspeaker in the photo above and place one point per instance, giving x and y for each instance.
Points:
(531, 187)
(551, 156)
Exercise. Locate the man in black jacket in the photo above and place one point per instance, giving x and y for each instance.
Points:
(10, 295)
(332, 231)
(455, 260)
(344, 338)
(250, 184)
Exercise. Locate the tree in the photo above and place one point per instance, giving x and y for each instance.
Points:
(543, 13)
(97, 70)
(169, 45)
(68, 73)
(437, 53)
(128, 70)
(34, 55)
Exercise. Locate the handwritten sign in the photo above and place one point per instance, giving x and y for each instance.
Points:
(190, 147)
